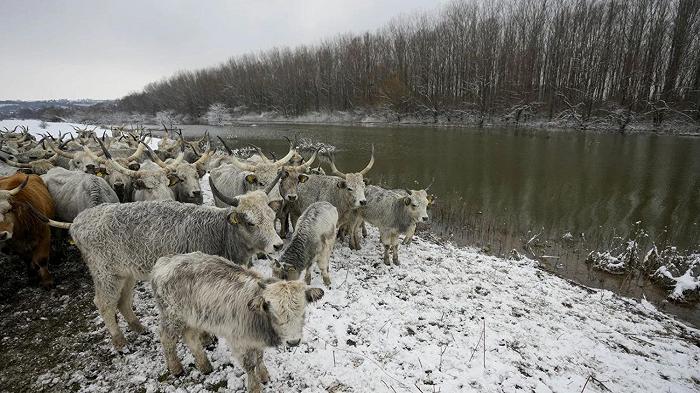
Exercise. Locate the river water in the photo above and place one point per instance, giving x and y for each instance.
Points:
(524, 190)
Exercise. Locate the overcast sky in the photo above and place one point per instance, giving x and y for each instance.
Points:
(106, 49)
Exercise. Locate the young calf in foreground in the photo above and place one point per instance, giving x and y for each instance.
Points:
(199, 293)
(313, 240)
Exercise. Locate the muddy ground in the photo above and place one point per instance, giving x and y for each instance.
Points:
(41, 329)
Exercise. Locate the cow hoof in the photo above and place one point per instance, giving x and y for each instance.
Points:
(327, 283)
(205, 368)
(396, 262)
(264, 376)
(177, 371)
(137, 327)
(119, 342)
(47, 284)
(386, 262)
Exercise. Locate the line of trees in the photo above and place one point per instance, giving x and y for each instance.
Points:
(574, 60)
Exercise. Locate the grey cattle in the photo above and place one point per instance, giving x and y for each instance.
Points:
(345, 191)
(79, 160)
(186, 188)
(120, 243)
(313, 241)
(238, 177)
(74, 191)
(199, 293)
(394, 213)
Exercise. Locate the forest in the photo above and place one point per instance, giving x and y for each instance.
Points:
(568, 60)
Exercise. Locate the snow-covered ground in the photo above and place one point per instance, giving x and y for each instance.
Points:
(448, 319)
(418, 327)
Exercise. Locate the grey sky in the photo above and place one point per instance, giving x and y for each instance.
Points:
(100, 49)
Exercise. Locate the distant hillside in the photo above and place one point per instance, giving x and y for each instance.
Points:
(44, 108)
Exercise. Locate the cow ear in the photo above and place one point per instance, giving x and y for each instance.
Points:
(275, 205)
(303, 178)
(252, 179)
(342, 184)
(367, 181)
(257, 304)
(233, 218)
(134, 166)
(173, 179)
(406, 201)
(431, 199)
(285, 174)
(314, 294)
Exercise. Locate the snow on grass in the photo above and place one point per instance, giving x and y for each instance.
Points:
(417, 327)
(685, 283)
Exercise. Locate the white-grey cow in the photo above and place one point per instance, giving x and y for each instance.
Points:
(203, 293)
(312, 241)
(74, 191)
(344, 191)
(394, 213)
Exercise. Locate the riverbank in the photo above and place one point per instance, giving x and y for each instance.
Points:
(600, 124)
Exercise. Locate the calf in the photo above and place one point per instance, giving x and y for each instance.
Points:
(394, 212)
(199, 293)
(26, 235)
(313, 240)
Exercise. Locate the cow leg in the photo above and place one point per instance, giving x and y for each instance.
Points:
(307, 276)
(248, 359)
(260, 367)
(193, 341)
(107, 292)
(395, 248)
(40, 259)
(169, 334)
(409, 234)
(126, 301)
(325, 257)
(383, 239)
(364, 229)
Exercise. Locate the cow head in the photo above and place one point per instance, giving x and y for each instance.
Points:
(284, 302)
(7, 213)
(254, 218)
(416, 203)
(353, 184)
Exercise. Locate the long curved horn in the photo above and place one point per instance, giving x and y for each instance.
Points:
(282, 161)
(58, 150)
(305, 166)
(152, 155)
(20, 187)
(201, 160)
(274, 183)
(429, 185)
(242, 165)
(260, 152)
(369, 164)
(228, 149)
(335, 170)
(229, 201)
(46, 220)
(137, 154)
(115, 165)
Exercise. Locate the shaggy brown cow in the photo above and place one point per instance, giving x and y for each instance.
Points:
(20, 229)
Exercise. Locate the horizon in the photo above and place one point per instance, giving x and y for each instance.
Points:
(66, 64)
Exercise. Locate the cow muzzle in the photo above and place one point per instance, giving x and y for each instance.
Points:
(293, 343)
(5, 235)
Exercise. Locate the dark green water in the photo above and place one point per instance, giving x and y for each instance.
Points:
(497, 188)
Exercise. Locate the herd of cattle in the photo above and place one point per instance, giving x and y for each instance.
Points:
(137, 214)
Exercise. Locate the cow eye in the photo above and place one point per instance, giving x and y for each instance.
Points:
(349, 189)
(414, 205)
